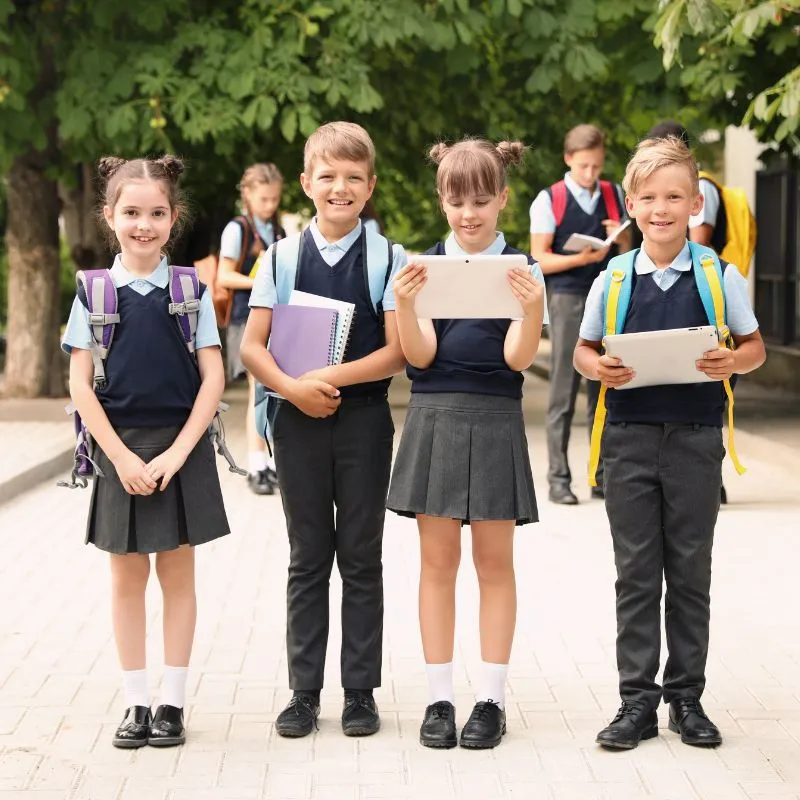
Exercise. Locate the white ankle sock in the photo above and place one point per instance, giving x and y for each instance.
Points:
(135, 688)
(269, 460)
(173, 686)
(257, 461)
(493, 684)
(440, 682)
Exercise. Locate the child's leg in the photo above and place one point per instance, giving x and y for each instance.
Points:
(493, 555)
(256, 447)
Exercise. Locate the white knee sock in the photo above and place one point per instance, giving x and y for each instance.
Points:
(135, 688)
(440, 683)
(173, 686)
(257, 461)
(493, 684)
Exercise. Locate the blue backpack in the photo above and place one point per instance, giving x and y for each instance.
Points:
(378, 256)
(98, 293)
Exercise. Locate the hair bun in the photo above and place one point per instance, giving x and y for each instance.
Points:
(438, 152)
(511, 153)
(108, 165)
(172, 165)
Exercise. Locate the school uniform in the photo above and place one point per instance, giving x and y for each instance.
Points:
(663, 452)
(151, 385)
(464, 453)
(566, 294)
(231, 243)
(333, 476)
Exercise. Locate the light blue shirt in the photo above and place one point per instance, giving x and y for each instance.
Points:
(371, 225)
(741, 319)
(230, 245)
(708, 215)
(453, 248)
(79, 333)
(264, 294)
(542, 218)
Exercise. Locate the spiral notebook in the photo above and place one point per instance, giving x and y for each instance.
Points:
(345, 312)
(302, 338)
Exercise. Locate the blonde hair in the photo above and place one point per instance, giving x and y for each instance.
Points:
(341, 141)
(254, 175)
(474, 166)
(583, 137)
(654, 154)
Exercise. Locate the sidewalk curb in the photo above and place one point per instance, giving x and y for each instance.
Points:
(59, 464)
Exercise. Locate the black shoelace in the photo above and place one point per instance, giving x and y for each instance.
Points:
(691, 705)
(365, 701)
(303, 705)
(441, 710)
(628, 709)
(482, 710)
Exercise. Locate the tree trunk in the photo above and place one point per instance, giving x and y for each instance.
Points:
(88, 247)
(33, 364)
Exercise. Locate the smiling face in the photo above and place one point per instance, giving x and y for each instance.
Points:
(141, 220)
(473, 218)
(662, 205)
(585, 166)
(262, 199)
(339, 189)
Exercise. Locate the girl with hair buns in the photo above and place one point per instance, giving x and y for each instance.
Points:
(463, 457)
(244, 238)
(159, 491)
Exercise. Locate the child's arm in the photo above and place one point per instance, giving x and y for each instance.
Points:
(316, 398)
(749, 354)
(229, 276)
(606, 369)
(417, 337)
(554, 262)
(522, 340)
(212, 385)
(130, 468)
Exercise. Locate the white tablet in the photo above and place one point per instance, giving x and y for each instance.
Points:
(662, 357)
(469, 287)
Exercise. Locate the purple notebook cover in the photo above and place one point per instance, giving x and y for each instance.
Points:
(302, 338)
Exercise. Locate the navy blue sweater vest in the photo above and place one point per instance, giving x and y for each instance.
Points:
(469, 355)
(652, 309)
(241, 297)
(578, 280)
(346, 281)
(151, 378)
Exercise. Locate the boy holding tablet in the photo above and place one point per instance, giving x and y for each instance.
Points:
(662, 449)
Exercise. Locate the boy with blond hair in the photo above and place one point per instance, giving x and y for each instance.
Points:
(333, 435)
(663, 451)
(580, 203)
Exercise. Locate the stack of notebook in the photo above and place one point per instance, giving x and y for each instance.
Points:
(310, 332)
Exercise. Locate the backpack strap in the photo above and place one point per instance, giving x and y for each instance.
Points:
(558, 198)
(378, 258)
(285, 258)
(184, 295)
(98, 294)
(617, 288)
(611, 200)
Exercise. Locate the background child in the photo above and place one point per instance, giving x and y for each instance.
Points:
(333, 439)
(160, 492)
(663, 453)
(569, 276)
(463, 457)
(243, 240)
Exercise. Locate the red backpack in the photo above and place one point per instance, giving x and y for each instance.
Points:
(558, 194)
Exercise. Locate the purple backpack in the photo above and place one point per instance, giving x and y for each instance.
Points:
(101, 303)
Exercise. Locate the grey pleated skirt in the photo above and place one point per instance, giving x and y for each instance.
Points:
(189, 511)
(464, 456)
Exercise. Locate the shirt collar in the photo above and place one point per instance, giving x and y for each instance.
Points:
(681, 263)
(453, 248)
(264, 229)
(158, 277)
(343, 244)
(578, 190)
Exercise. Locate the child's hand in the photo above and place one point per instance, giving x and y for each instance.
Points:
(527, 290)
(612, 374)
(407, 284)
(590, 256)
(133, 474)
(315, 398)
(165, 466)
(718, 364)
(610, 225)
(324, 374)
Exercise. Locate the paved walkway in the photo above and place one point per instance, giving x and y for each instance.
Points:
(59, 682)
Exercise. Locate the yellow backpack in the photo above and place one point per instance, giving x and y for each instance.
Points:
(739, 232)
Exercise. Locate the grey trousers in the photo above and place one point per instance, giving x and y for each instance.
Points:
(334, 476)
(662, 499)
(566, 313)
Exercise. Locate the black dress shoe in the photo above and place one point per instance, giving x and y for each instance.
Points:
(439, 726)
(260, 483)
(723, 495)
(134, 728)
(166, 729)
(485, 726)
(272, 477)
(563, 495)
(598, 493)
(686, 717)
(360, 714)
(635, 720)
(299, 717)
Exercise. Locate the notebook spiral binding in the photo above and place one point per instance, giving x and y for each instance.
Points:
(341, 350)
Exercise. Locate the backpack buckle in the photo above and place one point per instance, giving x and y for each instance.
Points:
(618, 275)
(103, 319)
(186, 307)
